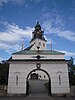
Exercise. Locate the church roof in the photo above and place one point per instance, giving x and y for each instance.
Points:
(41, 52)
(39, 60)
(50, 60)
(28, 48)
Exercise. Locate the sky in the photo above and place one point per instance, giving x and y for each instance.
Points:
(18, 19)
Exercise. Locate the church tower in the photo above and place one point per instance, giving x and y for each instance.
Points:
(38, 41)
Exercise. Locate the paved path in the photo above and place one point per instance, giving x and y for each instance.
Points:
(37, 98)
(38, 86)
(39, 95)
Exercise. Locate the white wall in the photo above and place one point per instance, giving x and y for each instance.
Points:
(23, 70)
(34, 56)
(55, 70)
(36, 43)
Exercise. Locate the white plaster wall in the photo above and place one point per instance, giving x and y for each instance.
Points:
(52, 69)
(34, 56)
(24, 70)
(36, 41)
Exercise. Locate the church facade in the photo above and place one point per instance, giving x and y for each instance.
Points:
(37, 64)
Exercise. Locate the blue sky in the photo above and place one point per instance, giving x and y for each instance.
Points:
(18, 18)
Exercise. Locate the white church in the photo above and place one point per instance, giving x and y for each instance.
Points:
(37, 69)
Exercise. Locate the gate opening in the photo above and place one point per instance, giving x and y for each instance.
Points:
(38, 81)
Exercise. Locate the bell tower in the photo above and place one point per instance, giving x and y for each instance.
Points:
(38, 38)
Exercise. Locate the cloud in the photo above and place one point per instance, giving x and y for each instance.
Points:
(1, 59)
(50, 29)
(52, 20)
(67, 53)
(67, 35)
(13, 36)
(53, 24)
(70, 54)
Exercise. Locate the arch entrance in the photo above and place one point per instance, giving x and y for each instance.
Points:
(38, 81)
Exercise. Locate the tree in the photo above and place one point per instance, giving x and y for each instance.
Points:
(72, 71)
(4, 69)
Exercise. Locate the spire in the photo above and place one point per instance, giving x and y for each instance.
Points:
(23, 45)
(51, 44)
(37, 27)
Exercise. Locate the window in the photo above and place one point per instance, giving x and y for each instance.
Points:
(40, 76)
(44, 76)
(59, 79)
(59, 76)
(16, 79)
(43, 45)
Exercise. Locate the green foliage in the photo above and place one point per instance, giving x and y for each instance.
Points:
(73, 68)
(71, 61)
(4, 68)
(72, 75)
(72, 79)
(71, 72)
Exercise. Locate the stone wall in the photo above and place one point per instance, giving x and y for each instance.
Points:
(54, 69)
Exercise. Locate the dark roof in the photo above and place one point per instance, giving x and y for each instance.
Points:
(28, 48)
(63, 60)
(37, 38)
(27, 51)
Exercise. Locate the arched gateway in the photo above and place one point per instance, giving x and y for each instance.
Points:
(35, 77)
(24, 63)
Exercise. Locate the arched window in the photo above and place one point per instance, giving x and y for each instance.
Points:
(16, 79)
(43, 44)
(59, 75)
(59, 79)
